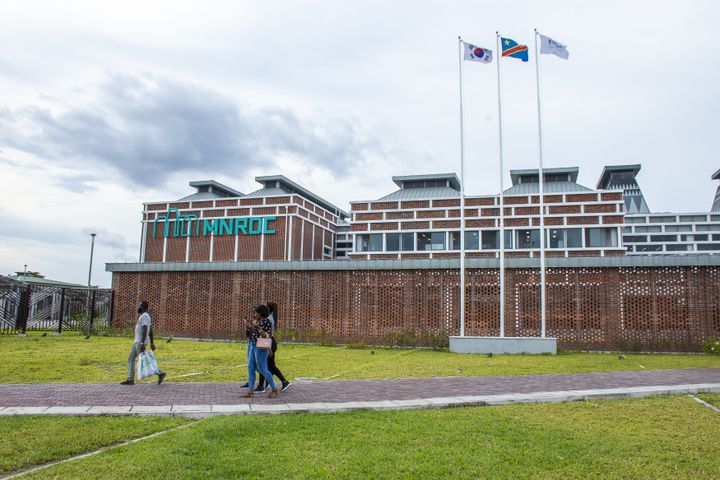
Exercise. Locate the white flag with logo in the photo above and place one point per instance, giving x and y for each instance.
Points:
(477, 54)
(548, 45)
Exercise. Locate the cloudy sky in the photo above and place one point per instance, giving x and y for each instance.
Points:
(106, 105)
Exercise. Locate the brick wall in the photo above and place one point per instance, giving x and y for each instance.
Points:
(591, 308)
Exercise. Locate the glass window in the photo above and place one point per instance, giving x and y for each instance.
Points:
(527, 238)
(679, 247)
(490, 240)
(600, 237)
(678, 228)
(508, 239)
(707, 228)
(634, 238)
(431, 241)
(693, 218)
(694, 238)
(361, 243)
(716, 237)
(472, 240)
(573, 236)
(663, 219)
(708, 246)
(629, 219)
(663, 238)
(392, 242)
(627, 229)
(648, 248)
(715, 218)
(376, 242)
(564, 238)
(407, 242)
(648, 229)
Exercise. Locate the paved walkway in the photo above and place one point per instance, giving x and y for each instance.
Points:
(203, 399)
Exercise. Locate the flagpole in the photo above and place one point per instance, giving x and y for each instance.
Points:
(542, 194)
(462, 196)
(502, 196)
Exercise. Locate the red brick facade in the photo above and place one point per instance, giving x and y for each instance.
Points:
(593, 308)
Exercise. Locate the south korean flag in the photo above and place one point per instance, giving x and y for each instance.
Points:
(477, 54)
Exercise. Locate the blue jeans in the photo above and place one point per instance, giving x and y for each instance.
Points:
(258, 360)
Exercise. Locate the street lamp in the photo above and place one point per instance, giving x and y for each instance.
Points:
(92, 247)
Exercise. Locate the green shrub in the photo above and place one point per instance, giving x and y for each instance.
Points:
(712, 346)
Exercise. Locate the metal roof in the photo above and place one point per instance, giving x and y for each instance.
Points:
(201, 196)
(422, 193)
(716, 175)
(216, 186)
(605, 175)
(550, 187)
(285, 185)
(572, 172)
(452, 178)
(267, 192)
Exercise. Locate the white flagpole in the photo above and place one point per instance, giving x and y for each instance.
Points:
(542, 193)
(462, 197)
(502, 198)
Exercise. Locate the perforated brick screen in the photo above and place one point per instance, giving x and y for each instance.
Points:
(626, 308)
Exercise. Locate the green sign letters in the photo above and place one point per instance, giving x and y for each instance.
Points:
(188, 224)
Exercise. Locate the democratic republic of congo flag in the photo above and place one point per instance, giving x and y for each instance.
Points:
(510, 48)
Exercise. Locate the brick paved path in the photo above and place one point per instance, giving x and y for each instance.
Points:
(169, 393)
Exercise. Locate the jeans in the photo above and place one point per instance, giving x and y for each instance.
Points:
(257, 360)
(134, 352)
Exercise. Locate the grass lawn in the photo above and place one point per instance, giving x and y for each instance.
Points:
(71, 358)
(711, 398)
(27, 441)
(660, 437)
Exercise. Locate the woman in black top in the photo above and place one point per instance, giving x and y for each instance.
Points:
(272, 309)
(257, 358)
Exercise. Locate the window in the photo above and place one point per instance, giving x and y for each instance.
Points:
(694, 238)
(686, 247)
(601, 237)
(716, 237)
(648, 248)
(715, 218)
(527, 238)
(368, 243)
(635, 219)
(490, 240)
(472, 240)
(648, 229)
(431, 241)
(678, 228)
(693, 218)
(396, 242)
(663, 238)
(663, 219)
(392, 242)
(627, 230)
(707, 228)
(565, 238)
(634, 238)
(708, 246)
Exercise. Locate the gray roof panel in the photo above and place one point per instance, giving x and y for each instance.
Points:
(422, 193)
(550, 187)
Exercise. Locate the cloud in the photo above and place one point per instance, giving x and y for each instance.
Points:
(150, 127)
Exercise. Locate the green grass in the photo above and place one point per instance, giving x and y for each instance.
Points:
(661, 437)
(71, 358)
(711, 398)
(27, 441)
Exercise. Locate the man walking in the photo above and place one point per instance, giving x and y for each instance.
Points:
(143, 332)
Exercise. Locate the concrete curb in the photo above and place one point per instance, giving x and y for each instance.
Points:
(202, 411)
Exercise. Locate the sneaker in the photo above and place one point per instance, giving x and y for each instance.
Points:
(273, 393)
(128, 382)
(259, 388)
(285, 386)
(161, 377)
(244, 385)
(247, 394)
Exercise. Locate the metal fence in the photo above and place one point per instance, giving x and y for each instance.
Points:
(39, 307)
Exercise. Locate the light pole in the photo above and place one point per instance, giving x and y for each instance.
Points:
(25, 272)
(92, 247)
